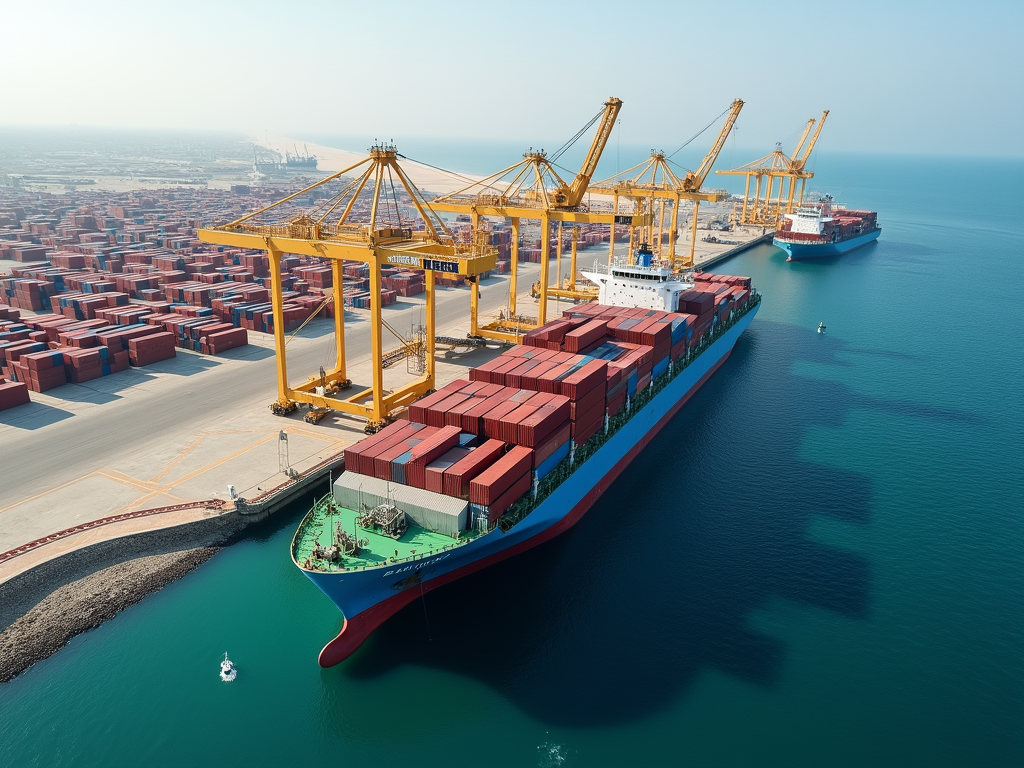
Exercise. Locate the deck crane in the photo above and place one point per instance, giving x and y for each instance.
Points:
(656, 180)
(533, 189)
(770, 174)
(355, 215)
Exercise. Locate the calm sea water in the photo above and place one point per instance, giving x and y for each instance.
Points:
(818, 562)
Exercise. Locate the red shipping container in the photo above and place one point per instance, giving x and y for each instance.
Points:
(588, 402)
(382, 461)
(535, 428)
(458, 476)
(516, 491)
(556, 440)
(417, 411)
(584, 380)
(12, 394)
(492, 420)
(435, 470)
(587, 431)
(499, 477)
(473, 419)
(355, 452)
(426, 451)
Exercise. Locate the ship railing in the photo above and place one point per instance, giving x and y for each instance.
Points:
(524, 506)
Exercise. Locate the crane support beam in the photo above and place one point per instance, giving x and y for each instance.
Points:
(522, 212)
(411, 255)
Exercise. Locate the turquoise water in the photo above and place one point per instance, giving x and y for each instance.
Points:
(818, 562)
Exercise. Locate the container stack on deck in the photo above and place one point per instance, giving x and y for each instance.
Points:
(487, 439)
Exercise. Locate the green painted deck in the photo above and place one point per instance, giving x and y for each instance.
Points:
(318, 526)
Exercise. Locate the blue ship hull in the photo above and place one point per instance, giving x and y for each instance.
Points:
(808, 251)
(368, 597)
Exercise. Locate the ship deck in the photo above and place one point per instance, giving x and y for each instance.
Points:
(318, 526)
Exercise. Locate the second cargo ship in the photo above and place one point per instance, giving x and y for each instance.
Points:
(488, 467)
(816, 231)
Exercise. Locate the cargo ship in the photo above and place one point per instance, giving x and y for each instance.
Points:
(816, 231)
(491, 465)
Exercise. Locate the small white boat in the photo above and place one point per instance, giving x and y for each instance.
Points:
(227, 670)
(821, 327)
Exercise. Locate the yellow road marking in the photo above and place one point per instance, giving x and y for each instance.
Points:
(45, 493)
(227, 458)
(175, 461)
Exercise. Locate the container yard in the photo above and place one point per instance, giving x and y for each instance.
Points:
(111, 280)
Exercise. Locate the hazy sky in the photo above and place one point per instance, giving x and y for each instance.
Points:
(938, 77)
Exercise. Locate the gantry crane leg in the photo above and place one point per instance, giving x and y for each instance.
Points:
(512, 287)
(693, 235)
(675, 230)
(376, 342)
(545, 259)
(339, 375)
(661, 225)
(284, 403)
(746, 197)
(572, 257)
(558, 257)
(474, 305)
(428, 282)
(611, 229)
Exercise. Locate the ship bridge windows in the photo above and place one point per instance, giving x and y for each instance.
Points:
(640, 276)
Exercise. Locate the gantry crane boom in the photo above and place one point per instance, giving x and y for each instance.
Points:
(695, 179)
(799, 164)
(573, 196)
(803, 138)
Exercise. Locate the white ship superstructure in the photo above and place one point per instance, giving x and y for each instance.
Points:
(639, 281)
(809, 219)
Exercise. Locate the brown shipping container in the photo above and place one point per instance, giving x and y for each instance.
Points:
(499, 477)
(552, 443)
(435, 470)
(517, 490)
(458, 476)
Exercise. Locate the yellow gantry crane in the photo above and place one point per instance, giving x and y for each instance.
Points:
(532, 189)
(770, 174)
(656, 181)
(357, 218)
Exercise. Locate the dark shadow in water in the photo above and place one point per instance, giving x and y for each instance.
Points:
(660, 581)
(886, 353)
(917, 410)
